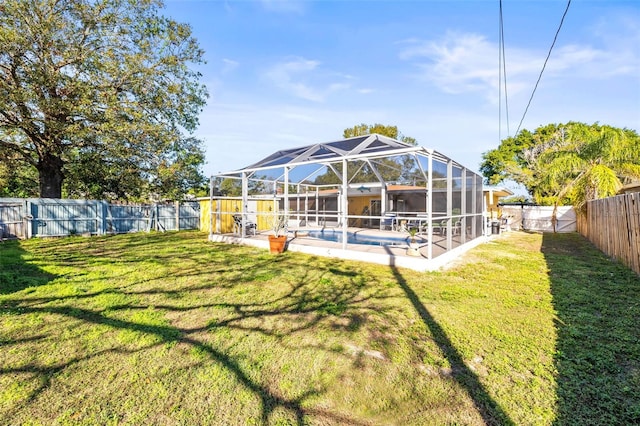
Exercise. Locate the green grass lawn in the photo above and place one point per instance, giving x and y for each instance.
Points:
(528, 329)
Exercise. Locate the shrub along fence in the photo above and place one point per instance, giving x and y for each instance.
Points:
(613, 225)
(48, 217)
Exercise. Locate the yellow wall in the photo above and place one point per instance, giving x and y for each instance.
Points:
(356, 208)
(226, 220)
(264, 214)
(357, 205)
(493, 211)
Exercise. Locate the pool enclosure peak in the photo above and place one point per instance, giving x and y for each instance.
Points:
(331, 151)
(365, 146)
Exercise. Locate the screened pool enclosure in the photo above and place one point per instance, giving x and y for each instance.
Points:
(368, 184)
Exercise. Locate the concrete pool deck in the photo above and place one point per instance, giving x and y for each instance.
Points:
(395, 255)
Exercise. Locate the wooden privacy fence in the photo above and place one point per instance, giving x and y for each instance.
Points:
(613, 225)
(48, 217)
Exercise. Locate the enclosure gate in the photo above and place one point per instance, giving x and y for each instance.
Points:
(13, 220)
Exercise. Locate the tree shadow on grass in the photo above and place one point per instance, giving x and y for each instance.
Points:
(597, 358)
(327, 296)
(309, 301)
(491, 412)
(17, 274)
(270, 401)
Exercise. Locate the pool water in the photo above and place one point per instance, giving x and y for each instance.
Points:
(353, 238)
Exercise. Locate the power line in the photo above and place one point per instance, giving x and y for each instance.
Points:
(500, 74)
(502, 71)
(543, 66)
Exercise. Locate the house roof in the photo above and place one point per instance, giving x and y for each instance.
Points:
(631, 187)
(497, 191)
(413, 188)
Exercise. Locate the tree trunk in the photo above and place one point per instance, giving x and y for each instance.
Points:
(554, 217)
(50, 176)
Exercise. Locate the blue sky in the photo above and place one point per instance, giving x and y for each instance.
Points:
(283, 74)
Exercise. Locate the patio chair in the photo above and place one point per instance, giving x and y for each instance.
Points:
(388, 222)
(237, 225)
(457, 228)
(440, 228)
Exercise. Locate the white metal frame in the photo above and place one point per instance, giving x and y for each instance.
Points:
(384, 147)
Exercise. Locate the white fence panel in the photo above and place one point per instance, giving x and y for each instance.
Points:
(539, 218)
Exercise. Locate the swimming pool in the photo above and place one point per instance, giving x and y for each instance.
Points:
(355, 238)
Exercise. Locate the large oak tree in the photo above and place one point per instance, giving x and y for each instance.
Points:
(381, 129)
(96, 90)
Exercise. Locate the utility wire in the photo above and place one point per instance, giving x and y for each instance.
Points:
(500, 74)
(502, 71)
(543, 66)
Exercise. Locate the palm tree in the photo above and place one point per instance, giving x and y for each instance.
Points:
(586, 163)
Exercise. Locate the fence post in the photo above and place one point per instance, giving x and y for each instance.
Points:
(177, 204)
(29, 218)
(100, 219)
(25, 220)
(104, 205)
(108, 217)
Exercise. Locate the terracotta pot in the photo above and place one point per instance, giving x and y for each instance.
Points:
(277, 244)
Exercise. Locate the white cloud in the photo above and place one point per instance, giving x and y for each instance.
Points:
(228, 65)
(586, 62)
(333, 87)
(465, 63)
(456, 64)
(619, 30)
(304, 79)
(619, 37)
